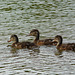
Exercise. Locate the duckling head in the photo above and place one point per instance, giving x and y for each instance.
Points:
(34, 32)
(58, 39)
(13, 38)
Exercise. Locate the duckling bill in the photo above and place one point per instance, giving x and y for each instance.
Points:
(20, 45)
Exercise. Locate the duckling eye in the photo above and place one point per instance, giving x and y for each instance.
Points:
(12, 38)
(56, 39)
(32, 33)
(35, 33)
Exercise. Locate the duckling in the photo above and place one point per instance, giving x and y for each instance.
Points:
(60, 46)
(36, 33)
(20, 45)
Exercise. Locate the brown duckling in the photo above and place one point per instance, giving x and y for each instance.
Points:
(20, 45)
(36, 33)
(60, 46)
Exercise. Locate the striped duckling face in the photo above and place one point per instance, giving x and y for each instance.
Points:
(13, 38)
(34, 32)
(58, 39)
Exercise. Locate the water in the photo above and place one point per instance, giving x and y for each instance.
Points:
(51, 17)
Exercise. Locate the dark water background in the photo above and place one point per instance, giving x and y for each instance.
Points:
(50, 17)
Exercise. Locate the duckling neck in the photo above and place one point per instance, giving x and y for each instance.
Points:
(16, 40)
(36, 39)
(59, 43)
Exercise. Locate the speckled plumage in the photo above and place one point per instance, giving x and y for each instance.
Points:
(60, 46)
(20, 45)
(36, 33)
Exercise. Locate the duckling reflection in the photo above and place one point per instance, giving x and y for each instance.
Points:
(31, 52)
(59, 53)
(14, 50)
(34, 52)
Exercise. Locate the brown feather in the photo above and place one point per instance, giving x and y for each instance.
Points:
(20, 45)
(60, 46)
(36, 33)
